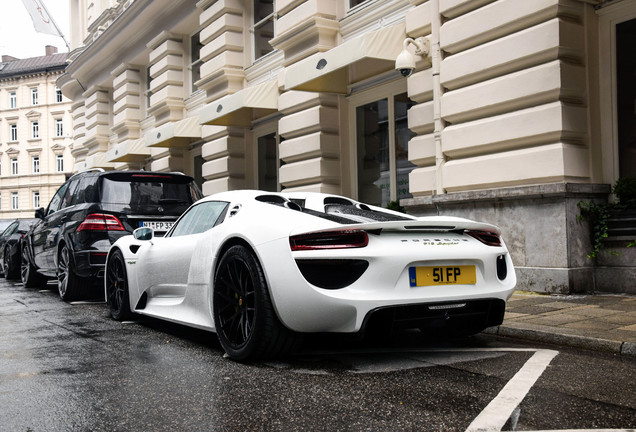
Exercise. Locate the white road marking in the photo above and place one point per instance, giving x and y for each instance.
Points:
(499, 410)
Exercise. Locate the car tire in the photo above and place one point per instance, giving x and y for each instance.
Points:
(117, 296)
(11, 268)
(29, 274)
(245, 321)
(68, 283)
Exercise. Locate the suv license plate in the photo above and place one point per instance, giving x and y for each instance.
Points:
(443, 275)
(156, 225)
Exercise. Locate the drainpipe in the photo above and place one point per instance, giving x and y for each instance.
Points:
(436, 59)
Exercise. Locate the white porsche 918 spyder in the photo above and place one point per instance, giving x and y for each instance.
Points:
(261, 268)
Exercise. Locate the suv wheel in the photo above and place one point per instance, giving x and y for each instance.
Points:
(30, 277)
(68, 283)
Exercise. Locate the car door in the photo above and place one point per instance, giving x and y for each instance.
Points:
(42, 237)
(46, 234)
(166, 263)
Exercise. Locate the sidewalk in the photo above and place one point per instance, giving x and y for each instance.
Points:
(597, 322)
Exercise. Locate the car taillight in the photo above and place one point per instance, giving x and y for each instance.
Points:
(100, 222)
(486, 237)
(329, 240)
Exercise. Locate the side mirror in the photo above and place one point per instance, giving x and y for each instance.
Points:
(39, 213)
(144, 234)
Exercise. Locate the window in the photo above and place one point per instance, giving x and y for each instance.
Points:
(36, 199)
(263, 29)
(59, 163)
(35, 164)
(148, 92)
(35, 129)
(14, 166)
(13, 132)
(142, 192)
(354, 3)
(267, 163)
(58, 95)
(59, 128)
(381, 137)
(34, 96)
(56, 201)
(199, 218)
(195, 59)
(13, 100)
(14, 200)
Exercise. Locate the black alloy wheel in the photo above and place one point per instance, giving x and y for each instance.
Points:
(68, 283)
(29, 275)
(117, 296)
(245, 320)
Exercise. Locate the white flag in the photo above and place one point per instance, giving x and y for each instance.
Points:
(42, 21)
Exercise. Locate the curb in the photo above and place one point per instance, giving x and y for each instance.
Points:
(575, 341)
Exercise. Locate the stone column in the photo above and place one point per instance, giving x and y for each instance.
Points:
(311, 146)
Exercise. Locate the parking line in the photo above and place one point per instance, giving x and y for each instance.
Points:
(496, 414)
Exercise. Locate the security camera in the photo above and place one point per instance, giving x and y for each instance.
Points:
(405, 61)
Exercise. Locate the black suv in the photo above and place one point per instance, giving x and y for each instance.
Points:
(90, 212)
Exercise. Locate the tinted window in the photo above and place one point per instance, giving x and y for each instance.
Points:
(68, 197)
(145, 193)
(199, 218)
(86, 190)
(54, 205)
(10, 229)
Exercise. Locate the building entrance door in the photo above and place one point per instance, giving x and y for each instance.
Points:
(626, 97)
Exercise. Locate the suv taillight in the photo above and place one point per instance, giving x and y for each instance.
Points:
(100, 222)
(329, 240)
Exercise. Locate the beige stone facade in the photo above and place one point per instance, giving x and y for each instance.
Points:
(510, 115)
(35, 133)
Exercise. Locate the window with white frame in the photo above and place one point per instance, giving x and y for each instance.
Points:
(13, 100)
(58, 95)
(354, 3)
(263, 27)
(59, 128)
(35, 163)
(34, 96)
(59, 163)
(35, 129)
(36, 199)
(14, 166)
(381, 137)
(13, 132)
(195, 59)
(14, 200)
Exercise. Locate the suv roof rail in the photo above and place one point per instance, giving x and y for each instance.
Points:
(97, 169)
(87, 170)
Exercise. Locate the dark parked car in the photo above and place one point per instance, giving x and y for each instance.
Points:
(91, 211)
(10, 251)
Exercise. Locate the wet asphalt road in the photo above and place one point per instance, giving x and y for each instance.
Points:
(69, 367)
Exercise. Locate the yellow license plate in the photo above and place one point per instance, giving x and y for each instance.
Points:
(443, 275)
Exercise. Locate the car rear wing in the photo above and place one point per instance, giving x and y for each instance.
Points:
(425, 224)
